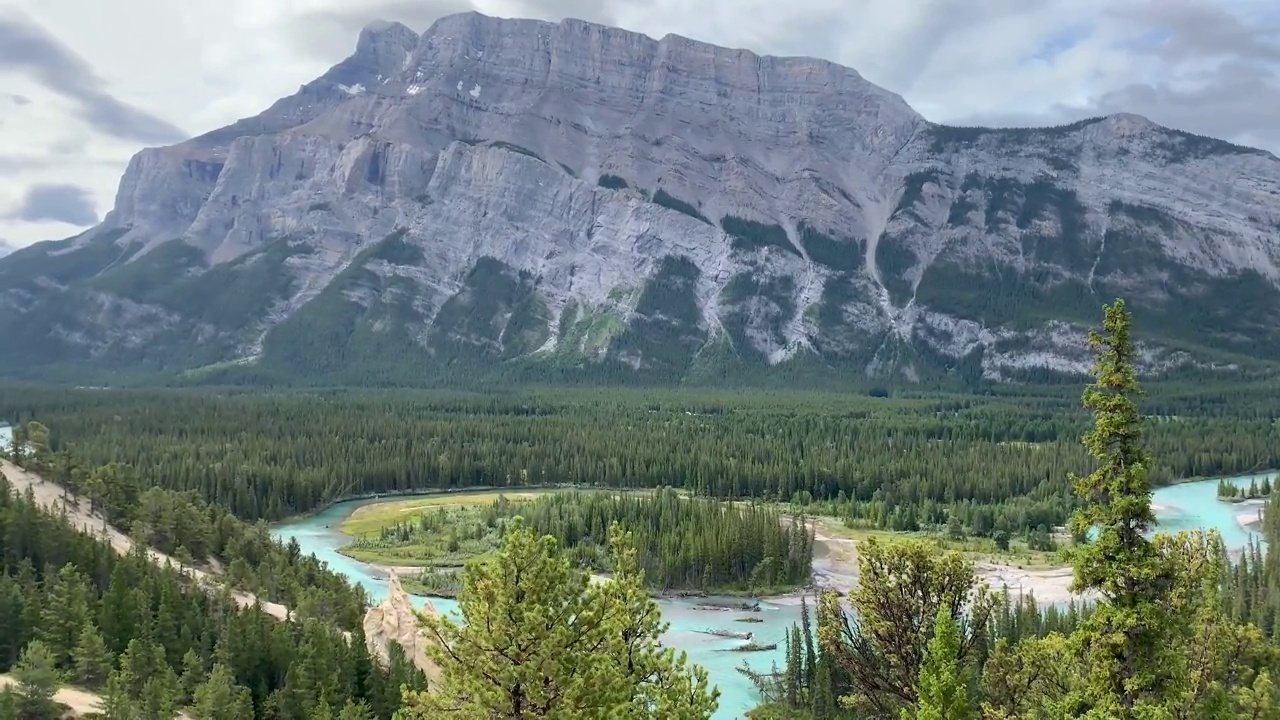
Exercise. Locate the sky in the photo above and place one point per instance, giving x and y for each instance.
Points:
(84, 84)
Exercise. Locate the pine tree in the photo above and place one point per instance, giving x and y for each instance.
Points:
(903, 585)
(1121, 639)
(120, 611)
(218, 697)
(37, 680)
(160, 695)
(39, 457)
(65, 613)
(117, 697)
(192, 675)
(91, 659)
(14, 632)
(18, 445)
(824, 692)
(1259, 700)
(355, 711)
(540, 641)
(810, 656)
(794, 668)
(943, 686)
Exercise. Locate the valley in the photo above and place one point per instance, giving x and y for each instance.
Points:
(517, 369)
(330, 445)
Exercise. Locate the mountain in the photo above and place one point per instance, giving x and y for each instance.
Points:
(511, 198)
(5, 248)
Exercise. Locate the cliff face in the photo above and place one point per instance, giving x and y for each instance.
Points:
(572, 198)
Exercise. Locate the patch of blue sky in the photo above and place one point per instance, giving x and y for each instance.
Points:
(1061, 41)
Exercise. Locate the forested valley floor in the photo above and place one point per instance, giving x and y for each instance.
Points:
(241, 626)
(993, 462)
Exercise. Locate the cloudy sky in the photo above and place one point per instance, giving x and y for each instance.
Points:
(85, 83)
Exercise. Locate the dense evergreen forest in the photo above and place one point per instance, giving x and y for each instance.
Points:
(151, 641)
(184, 526)
(683, 543)
(1000, 461)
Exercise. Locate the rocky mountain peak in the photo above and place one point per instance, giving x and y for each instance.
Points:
(569, 198)
(385, 45)
(1123, 124)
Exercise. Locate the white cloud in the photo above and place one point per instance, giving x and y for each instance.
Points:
(1209, 66)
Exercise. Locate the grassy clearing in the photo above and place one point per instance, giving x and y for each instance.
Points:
(374, 517)
(436, 535)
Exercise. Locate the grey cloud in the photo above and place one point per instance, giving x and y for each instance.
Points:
(331, 35)
(60, 156)
(76, 146)
(19, 100)
(1224, 75)
(1197, 29)
(26, 47)
(62, 202)
(1237, 99)
(1241, 107)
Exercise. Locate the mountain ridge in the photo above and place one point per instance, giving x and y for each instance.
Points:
(567, 195)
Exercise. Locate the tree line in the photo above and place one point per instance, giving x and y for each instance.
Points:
(683, 543)
(997, 461)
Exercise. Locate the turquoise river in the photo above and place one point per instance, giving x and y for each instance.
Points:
(1179, 507)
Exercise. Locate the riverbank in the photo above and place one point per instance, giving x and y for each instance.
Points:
(1250, 517)
(1040, 573)
(835, 562)
(835, 565)
(427, 541)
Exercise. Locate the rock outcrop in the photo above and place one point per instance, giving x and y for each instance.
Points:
(395, 620)
(569, 198)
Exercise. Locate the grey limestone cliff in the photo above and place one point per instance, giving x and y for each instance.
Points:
(578, 196)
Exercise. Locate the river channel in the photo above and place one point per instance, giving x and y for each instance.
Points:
(1179, 507)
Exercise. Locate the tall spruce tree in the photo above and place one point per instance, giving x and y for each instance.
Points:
(1121, 641)
(91, 660)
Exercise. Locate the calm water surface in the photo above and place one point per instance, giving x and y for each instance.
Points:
(1183, 507)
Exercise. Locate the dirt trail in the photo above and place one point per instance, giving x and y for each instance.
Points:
(80, 702)
(51, 496)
